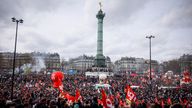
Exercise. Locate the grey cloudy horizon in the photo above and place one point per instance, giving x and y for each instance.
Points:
(69, 27)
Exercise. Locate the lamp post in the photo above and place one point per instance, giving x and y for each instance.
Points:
(149, 37)
(13, 74)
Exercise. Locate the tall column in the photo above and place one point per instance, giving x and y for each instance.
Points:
(100, 59)
(100, 17)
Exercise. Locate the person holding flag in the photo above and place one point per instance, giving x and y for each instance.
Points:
(106, 102)
(130, 95)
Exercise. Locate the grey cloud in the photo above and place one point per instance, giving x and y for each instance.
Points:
(123, 10)
(125, 26)
(19, 8)
(36, 42)
(10, 8)
(179, 16)
(80, 44)
(43, 5)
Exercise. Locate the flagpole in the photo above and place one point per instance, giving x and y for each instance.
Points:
(150, 37)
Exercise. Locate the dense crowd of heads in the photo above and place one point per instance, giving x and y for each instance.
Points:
(36, 91)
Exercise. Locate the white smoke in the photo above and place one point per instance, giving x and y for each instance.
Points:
(25, 68)
(39, 64)
(36, 65)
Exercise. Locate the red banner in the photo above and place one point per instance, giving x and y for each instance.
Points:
(130, 94)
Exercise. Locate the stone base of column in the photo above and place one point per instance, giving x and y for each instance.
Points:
(100, 61)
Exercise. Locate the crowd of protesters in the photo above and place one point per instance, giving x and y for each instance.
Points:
(36, 91)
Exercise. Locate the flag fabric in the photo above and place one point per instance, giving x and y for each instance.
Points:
(169, 101)
(77, 95)
(109, 103)
(63, 94)
(57, 78)
(120, 102)
(70, 98)
(104, 98)
(106, 102)
(100, 102)
(162, 103)
(67, 96)
(111, 97)
(130, 94)
(185, 101)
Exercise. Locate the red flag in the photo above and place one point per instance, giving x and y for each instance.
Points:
(57, 78)
(67, 96)
(104, 98)
(77, 95)
(120, 102)
(162, 103)
(111, 97)
(63, 94)
(185, 101)
(169, 101)
(70, 98)
(130, 94)
(100, 102)
(109, 103)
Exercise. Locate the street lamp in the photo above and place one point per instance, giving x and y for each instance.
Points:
(149, 37)
(12, 83)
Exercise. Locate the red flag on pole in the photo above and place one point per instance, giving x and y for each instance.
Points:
(70, 98)
(109, 103)
(77, 95)
(57, 78)
(130, 94)
(104, 98)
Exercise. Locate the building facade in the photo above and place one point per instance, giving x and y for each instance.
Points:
(134, 65)
(30, 62)
(85, 63)
(47, 61)
(185, 62)
(6, 60)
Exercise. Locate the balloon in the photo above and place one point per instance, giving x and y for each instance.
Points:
(57, 78)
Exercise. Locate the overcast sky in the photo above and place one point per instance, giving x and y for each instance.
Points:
(69, 27)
